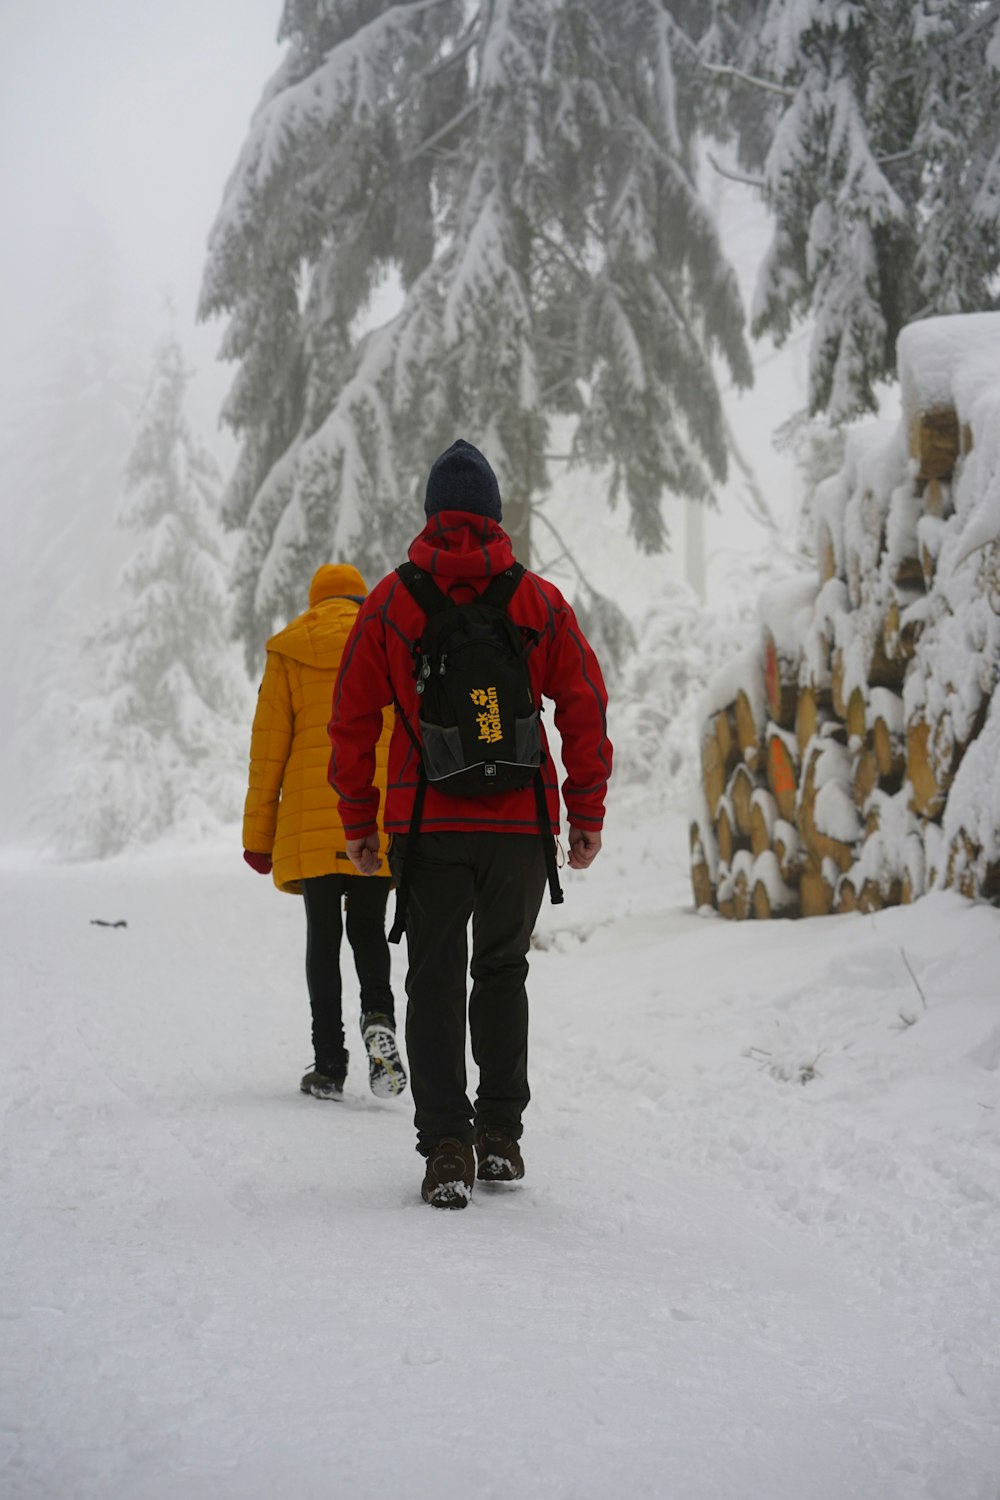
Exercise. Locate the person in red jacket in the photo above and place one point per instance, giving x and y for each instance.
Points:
(477, 857)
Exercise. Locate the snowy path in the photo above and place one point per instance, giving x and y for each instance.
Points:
(715, 1283)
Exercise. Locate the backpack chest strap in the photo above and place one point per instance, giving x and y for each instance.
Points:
(433, 601)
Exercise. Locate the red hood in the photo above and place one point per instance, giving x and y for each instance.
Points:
(456, 544)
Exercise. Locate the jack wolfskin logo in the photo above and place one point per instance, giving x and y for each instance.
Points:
(490, 728)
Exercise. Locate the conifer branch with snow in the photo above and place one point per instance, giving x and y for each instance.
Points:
(526, 173)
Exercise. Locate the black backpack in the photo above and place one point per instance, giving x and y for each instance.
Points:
(480, 727)
(479, 723)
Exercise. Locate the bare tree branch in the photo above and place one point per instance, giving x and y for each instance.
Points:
(758, 83)
(754, 182)
(439, 135)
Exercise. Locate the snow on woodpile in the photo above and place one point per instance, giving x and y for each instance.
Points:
(877, 747)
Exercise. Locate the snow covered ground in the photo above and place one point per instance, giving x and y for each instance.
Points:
(755, 1256)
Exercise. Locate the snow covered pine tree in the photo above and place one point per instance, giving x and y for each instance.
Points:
(880, 159)
(163, 742)
(527, 173)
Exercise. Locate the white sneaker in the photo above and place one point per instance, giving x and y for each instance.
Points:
(386, 1074)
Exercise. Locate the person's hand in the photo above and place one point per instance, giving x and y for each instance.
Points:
(259, 862)
(363, 854)
(584, 845)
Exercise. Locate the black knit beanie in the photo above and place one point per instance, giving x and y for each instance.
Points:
(461, 479)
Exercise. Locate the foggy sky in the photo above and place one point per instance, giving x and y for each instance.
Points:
(121, 119)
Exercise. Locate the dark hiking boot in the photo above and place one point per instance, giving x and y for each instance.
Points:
(500, 1158)
(451, 1167)
(325, 1080)
(386, 1074)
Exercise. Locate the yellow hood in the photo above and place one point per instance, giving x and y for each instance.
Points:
(317, 637)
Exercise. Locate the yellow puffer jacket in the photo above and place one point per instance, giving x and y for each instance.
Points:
(291, 809)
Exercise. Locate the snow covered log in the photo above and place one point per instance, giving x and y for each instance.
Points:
(726, 735)
(826, 816)
(726, 832)
(934, 442)
(742, 872)
(816, 887)
(879, 669)
(750, 713)
(763, 817)
(781, 677)
(856, 720)
(807, 717)
(891, 852)
(782, 767)
(901, 630)
(870, 898)
(888, 739)
(788, 851)
(945, 364)
(724, 895)
(932, 757)
(864, 777)
(704, 864)
(739, 790)
(901, 562)
(713, 767)
(845, 895)
(786, 612)
(937, 499)
(837, 698)
(968, 872)
(770, 895)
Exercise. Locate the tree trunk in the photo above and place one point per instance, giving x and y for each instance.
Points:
(517, 524)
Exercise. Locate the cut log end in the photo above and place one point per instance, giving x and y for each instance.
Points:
(935, 442)
(782, 775)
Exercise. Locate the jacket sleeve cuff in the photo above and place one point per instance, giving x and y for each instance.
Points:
(589, 820)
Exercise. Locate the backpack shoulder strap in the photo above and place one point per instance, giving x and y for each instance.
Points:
(500, 590)
(423, 589)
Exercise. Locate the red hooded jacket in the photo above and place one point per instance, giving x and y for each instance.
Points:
(462, 552)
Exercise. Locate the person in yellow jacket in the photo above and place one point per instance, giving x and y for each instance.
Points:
(291, 829)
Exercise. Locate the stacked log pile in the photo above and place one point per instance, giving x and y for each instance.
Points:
(832, 752)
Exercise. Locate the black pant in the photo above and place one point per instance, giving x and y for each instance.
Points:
(366, 903)
(497, 879)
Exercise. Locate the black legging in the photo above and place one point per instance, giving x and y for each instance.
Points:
(366, 903)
